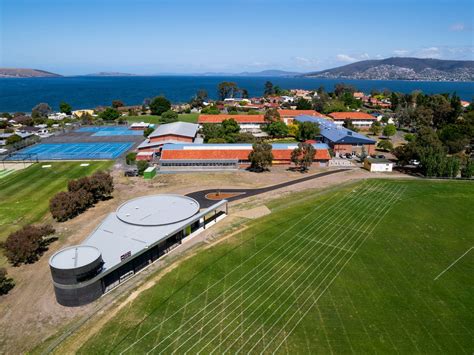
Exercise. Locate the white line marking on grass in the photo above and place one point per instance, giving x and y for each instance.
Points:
(282, 248)
(454, 262)
(327, 244)
(383, 214)
(261, 285)
(310, 267)
(351, 238)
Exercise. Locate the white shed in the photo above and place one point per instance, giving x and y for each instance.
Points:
(378, 165)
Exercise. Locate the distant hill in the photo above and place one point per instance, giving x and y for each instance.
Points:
(398, 68)
(107, 73)
(270, 72)
(26, 73)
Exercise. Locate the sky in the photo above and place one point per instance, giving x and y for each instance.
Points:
(72, 37)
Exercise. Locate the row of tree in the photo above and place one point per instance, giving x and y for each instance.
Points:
(261, 156)
(82, 194)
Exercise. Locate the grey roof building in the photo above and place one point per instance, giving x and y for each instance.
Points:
(136, 234)
(183, 129)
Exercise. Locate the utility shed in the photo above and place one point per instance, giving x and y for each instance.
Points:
(149, 173)
(378, 165)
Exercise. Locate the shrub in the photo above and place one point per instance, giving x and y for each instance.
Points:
(142, 165)
(6, 283)
(27, 244)
(169, 116)
(385, 145)
(130, 158)
(159, 105)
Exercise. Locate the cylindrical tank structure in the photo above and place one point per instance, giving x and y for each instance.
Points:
(73, 270)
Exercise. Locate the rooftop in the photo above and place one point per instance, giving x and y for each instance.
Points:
(74, 257)
(184, 129)
(335, 133)
(351, 116)
(237, 118)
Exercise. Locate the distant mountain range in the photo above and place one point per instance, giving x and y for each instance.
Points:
(26, 73)
(109, 73)
(270, 72)
(398, 68)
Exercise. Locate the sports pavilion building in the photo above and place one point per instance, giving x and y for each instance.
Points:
(138, 233)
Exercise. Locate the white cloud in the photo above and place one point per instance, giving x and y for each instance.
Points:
(345, 58)
(430, 52)
(364, 56)
(458, 27)
(400, 52)
(305, 62)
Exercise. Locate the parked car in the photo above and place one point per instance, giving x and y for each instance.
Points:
(131, 172)
(380, 156)
(348, 155)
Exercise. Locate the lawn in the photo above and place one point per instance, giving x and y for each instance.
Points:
(376, 267)
(184, 117)
(25, 194)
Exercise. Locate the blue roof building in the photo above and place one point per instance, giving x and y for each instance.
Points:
(340, 139)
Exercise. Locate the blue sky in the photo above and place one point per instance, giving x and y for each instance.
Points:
(183, 36)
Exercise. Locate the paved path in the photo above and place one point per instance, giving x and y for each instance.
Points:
(200, 196)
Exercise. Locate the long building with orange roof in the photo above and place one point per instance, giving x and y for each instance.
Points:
(288, 116)
(360, 120)
(247, 123)
(186, 157)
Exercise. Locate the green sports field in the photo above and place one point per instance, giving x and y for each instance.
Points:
(184, 117)
(376, 267)
(25, 194)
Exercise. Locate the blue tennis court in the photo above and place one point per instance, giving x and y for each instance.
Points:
(74, 151)
(106, 131)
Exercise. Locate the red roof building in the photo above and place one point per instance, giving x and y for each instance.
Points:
(238, 118)
(359, 119)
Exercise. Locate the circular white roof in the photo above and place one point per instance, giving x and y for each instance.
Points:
(157, 210)
(74, 257)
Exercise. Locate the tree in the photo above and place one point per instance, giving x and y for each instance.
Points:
(212, 131)
(169, 116)
(272, 115)
(211, 110)
(65, 108)
(455, 137)
(307, 130)
(389, 130)
(14, 138)
(303, 104)
(147, 131)
(6, 283)
(109, 114)
(41, 110)
(244, 93)
(230, 126)
(142, 165)
(261, 156)
(303, 156)
(334, 106)
(468, 170)
(117, 103)
(130, 158)
(227, 89)
(199, 99)
(27, 244)
(409, 137)
(269, 90)
(293, 130)
(159, 105)
(277, 129)
(375, 128)
(349, 125)
(385, 145)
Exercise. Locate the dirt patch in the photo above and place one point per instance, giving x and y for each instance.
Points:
(254, 213)
(222, 195)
